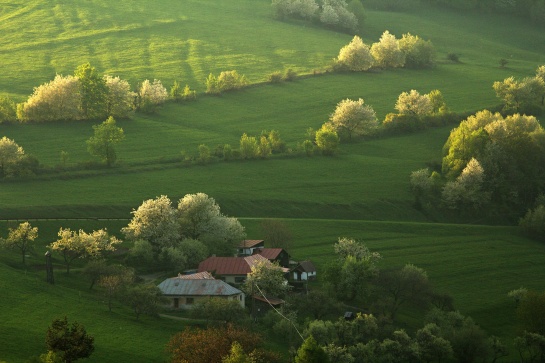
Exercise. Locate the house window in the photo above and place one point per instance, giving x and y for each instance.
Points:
(240, 279)
(176, 303)
(189, 300)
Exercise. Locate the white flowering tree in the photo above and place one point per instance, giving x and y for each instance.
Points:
(353, 118)
(119, 98)
(151, 95)
(355, 56)
(387, 53)
(58, 99)
(413, 103)
(21, 238)
(73, 245)
(154, 221)
(10, 153)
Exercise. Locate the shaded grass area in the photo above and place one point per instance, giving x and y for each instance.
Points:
(367, 180)
(477, 265)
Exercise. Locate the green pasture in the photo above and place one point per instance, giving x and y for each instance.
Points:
(362, 192)
(476, 264)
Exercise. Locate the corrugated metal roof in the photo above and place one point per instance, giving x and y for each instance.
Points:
(180, 287)
(205, 275)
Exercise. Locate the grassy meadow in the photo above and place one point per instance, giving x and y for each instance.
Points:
(362, 192)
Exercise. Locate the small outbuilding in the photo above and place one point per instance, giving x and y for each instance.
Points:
(303, 271)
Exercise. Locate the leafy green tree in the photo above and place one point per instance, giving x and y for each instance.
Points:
(533, 222)
(338, 354)
(71, 342)
(8, 110)
(311, 352)
(353, 118)
(266, 278)
(531, 312)
(204, 154)
(102, 143)
(10, 153)
(119, 98)
(327, 140)
(212, 86)
(531, 347)
(467, 191)
(323, 331)
(408, 285)
(355, 56)
(437, 101)
(176, 92)
(418, 53)
(264, 148)
(351, 271)
(249, 148)
(231, 80)
(188, 94)
(431, 345)
(144, 299)
(21, 238)
(237, 355)
(387, 53)
(199, 217)
(93, 91)
(116, 282)
(217, 310)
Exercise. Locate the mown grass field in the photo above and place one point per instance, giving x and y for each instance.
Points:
(362, 192)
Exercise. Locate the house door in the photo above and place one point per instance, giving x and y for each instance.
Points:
(176, 303)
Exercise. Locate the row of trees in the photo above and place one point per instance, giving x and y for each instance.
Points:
(88, 95)
(337, 14)
(410, 51)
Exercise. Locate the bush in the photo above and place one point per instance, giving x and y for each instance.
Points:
(533, 223)
(275, 77)
(453, 57)
(290, 75)
(8, 110)
(226, 81)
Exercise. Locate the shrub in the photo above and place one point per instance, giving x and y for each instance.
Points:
(533, 223)
(453, 57)
(418, 52)
(275, 77)
(8, 110)
(152, 94)
(290, 75)
(308, 147)
(249, 148)
(356, 56)
(204, 154)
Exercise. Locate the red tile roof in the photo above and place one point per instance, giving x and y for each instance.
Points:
(230, 265)
(249, 243)
(269, 253)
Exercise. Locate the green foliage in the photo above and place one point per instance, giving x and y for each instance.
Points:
(21, 238)
(531, 312)
(144, 299)
(275, 77)
(249, 148)
(92, 90)
(10, 154)
(289, 75)
(204, 154)
(71, 342)
(327, 140)
(311, 352)
(419, 53)
(8, 110)
(106, 136)
(533, 223)
(218, 311)
(353, 118)
(226, 81)
(266, 279)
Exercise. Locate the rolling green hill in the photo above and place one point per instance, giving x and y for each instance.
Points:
(362, 192)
